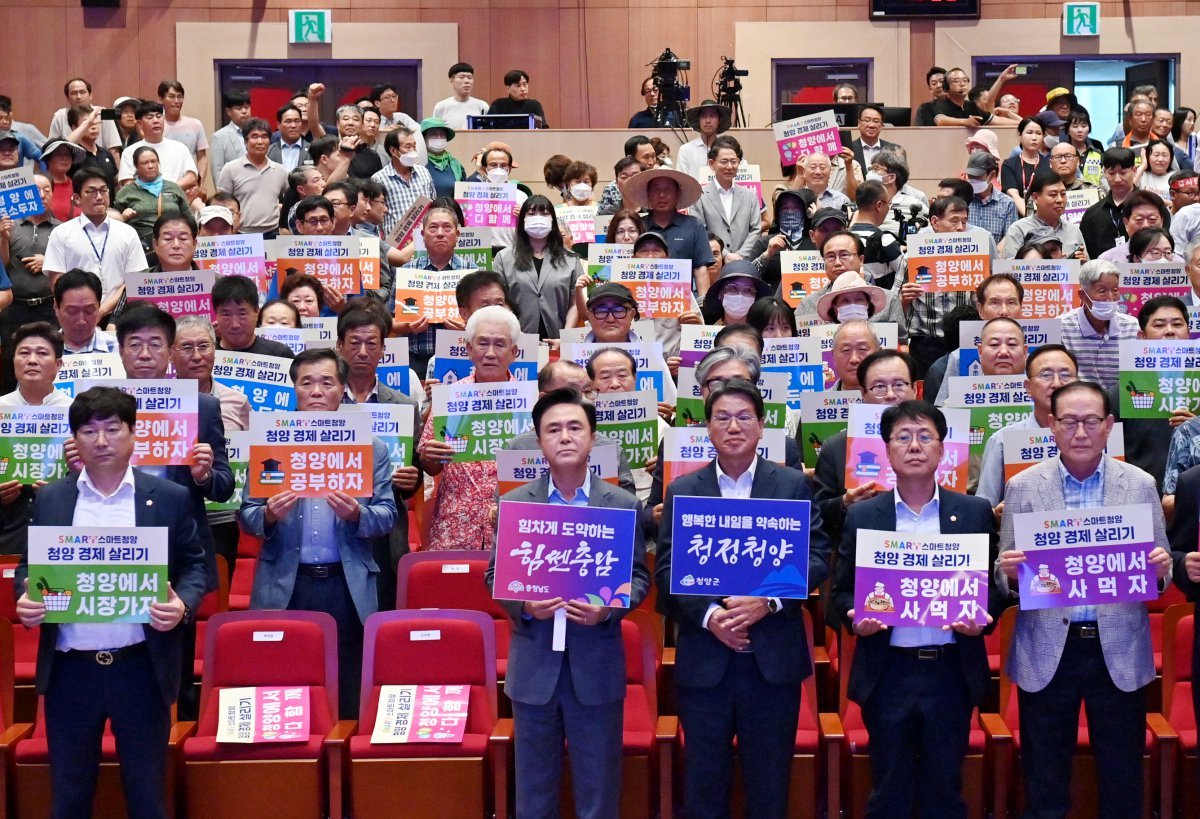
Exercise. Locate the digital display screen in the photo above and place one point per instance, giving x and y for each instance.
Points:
(941, 9)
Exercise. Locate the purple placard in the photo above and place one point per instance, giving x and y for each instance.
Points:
(902, 579)
(1087, 576)
(812, 134)
(573, 552)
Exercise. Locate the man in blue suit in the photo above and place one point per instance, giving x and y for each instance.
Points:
(917, 685)
(319, 554)
(145, 335)
(124, 672)
(739, 661)
(577, 693)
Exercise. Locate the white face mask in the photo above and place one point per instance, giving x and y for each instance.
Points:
(852, 312)
(1104, 310)
(581, 191)
(736, 305)
(497, 175)
(408, 159)
(437, 144)
(872, 176)
(1050, 141)
(979, 185)
(538, 226)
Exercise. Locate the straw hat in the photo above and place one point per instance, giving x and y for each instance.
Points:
(635, 190)
(850, 282)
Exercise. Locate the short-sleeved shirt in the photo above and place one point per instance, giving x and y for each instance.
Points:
(1097, 354)
(402, 194)
(1064, 231)
(174, 159)
(258, 191)
(29, 238)
(996, 215)
(264, 346)
(227, 145)
(110, 251)
(946, 107)
(686, 239)
(189, 131)
(455, 113)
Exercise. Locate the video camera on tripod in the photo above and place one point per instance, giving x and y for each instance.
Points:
(672, 96)
(909, 223)
(729, 90)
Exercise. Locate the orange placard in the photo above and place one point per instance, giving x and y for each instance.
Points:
(798, 286)
(311, 471)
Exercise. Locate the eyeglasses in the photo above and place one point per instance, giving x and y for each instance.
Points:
(896, 387)
(317, 223)
(1063, 157)
(94, 192)
(617, 311)
(137, 347)
(840, 256)
(724, 419)
(726, 163)
(1157, 254)
(204, 348)
(905, 439)
(1070, 425)
(1048, 376)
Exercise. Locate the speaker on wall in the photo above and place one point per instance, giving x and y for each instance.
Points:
(100, 4)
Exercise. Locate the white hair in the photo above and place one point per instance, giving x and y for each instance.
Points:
(496, 313)
(1096, 269)
(196, 323)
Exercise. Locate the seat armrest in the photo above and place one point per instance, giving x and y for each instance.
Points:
(1161, 728)
(831, 727)
(996, 729)
(667, 729)
(181, 731)
(13, 733)
(668, 655)
(341, 732)
(500, 745)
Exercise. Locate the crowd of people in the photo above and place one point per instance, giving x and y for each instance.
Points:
(132, 188)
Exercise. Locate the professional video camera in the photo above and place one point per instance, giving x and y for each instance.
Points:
(729, 90)
(672, 96)
(909, 223)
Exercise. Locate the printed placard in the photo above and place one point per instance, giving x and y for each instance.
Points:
(687, 449)
(580, 553)
(803, 273)
(1037, 333)
(689, 408)
(478, 419)
(887, 334)
(393, 369)
(662, 288)
(740, 546)
(333, 260)
(1051, 285)
(451, 362)
(263, 714)
(19, 194)
(427, 293)
(578, 220)
(421, 713)
(295, 339)
(263, 379)
(948, 262)
(903, 579)
(184, 293)
(242, 254)
(1158, 377)
(632, 419)
(487, 205)
(326, 326)
(1085, 557)
(824, 414)
(866, 451)
(87, 367)
(601, 257)
(168, 422)
(474, 247)
(1078, 201)
(98, 574)
(404, 228)
(695, 342)
(1141, 282)
(1025, 447)
(812, 134)
(986, 390)
(31, 444)
(311, 454)
(237, 448)
(517, 467)
(651, 366)
(747, 176)
(803, 363)
(368, 262)
(394, 425)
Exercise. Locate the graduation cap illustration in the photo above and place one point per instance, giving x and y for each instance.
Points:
(798, 291)
(271, 474)
(411, 306)
(291, 271)
(924, 275)
(867, 466)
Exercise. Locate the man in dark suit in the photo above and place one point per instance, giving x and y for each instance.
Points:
(145, 335)
(917, 685)
(739, 660)
(885, 377)
(361, 331)
(868, 145)
(124, 672)
(1184, 534)
(577, 693)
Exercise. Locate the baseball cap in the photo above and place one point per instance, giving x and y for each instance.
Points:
(9, 135)
(1049, 119)
(1055, 93)
(120, 102)
(824, 214)
(612, 290)
(980, 164)
(210, 212)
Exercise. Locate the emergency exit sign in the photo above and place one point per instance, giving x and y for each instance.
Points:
(310, 26)
(1081, 19)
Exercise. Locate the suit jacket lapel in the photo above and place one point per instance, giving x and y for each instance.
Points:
(143, 500)
(764, 479)
(1114, 485)
(1052, 488)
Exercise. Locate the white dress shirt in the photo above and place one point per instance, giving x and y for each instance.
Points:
(926, 521)
(56, 398)
(109, 250)
(93, 508)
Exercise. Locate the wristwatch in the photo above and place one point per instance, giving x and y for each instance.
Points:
(772, 605)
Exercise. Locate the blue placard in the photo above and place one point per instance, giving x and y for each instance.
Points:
(395, 377)
(19, 194)
(801, 378)
(460, 368)
(736, 546)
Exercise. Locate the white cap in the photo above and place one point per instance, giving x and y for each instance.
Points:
(210, 212)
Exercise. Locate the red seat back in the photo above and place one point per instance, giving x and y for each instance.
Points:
(8, 595)
(1179, 623)
(451, 580)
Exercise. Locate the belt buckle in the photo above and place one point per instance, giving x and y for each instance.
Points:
(104, 657)
(321, 572)
(928, 653)
(1089, 632)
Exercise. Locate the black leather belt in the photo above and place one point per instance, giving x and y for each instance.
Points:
(928, 652)
(321, 571)
(34, 302)
(1085, 630)
(107, 656)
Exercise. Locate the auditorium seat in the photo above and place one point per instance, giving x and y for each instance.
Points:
(442, 780)
(11, 731)
(214, 602)
(1176, 726)
(1171, 597)
(24, 640)
(300, 779)
(242, 582)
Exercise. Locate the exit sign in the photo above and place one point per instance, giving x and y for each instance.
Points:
(310, 26)
(1081, 19)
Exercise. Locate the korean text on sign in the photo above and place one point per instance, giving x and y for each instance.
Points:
(487, 205)
(311, 454)
(421, 713)
(264, 714)
(813, 134)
